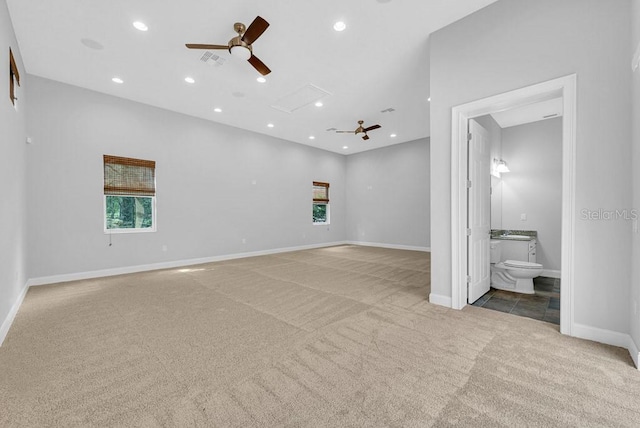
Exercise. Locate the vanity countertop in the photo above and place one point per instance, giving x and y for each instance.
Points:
(514, 235)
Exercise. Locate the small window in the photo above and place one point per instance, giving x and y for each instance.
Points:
(129, 195)
(14, 78)
(320, 203)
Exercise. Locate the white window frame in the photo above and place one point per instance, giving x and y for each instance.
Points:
(154, 227)
(321, 223)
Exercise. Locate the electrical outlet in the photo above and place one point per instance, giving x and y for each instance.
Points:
(523, 217)
(164, 248)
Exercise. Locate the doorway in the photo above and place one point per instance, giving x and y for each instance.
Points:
(564, 88)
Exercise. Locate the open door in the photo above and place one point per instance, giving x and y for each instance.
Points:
(478, 219)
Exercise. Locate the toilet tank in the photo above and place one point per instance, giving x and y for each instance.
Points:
(494, 251)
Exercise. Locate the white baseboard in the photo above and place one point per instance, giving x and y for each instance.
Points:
(550, 273)
(634, 350)
(608, 337)
(438, 299)
(43, 280)
(6, 324)
(392, 246)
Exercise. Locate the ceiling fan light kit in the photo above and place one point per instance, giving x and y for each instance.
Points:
(240, 45)
(241, 52)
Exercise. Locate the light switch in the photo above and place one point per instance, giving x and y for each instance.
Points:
(523, 217)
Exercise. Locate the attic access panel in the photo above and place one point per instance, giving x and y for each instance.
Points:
(299, 98)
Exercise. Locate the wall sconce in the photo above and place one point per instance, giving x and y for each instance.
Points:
(501, 166)
(498, 166)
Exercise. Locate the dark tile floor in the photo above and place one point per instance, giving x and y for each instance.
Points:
(544, 305)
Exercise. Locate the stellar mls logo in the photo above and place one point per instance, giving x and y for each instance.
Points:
(608, 215)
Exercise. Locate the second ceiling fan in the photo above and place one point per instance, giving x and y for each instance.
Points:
(361, 129)
(240, 45)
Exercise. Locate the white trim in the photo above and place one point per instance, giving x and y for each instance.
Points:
(6, 324)
(567, 263)
(608, 337)
(564, 87)
(438, 299)
(168, 265)
(635, 353)
(392, 246)
(153, 228)
(601, 335)
(550, 273)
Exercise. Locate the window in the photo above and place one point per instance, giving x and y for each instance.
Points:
(14, 78)
(320, 203)
(129, 195)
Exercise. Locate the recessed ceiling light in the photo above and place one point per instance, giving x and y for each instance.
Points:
(270, 125)
(345, 147)
(117, 80)
(311, 137)
(319, 104)
(217, 110)
(140, 26)
(393, 135)
(261, 79)
(339, 26)
(189, 80)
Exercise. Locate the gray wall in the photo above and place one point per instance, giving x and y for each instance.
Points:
(635, 301)
(388, 195)
(206, 200)
(534, 185)
(516, 43)
(12, 178)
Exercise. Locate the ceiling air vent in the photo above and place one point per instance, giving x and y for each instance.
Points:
(211, 58)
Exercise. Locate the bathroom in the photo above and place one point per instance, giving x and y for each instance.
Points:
(526, 201)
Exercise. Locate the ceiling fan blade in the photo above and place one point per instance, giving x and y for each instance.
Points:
(199, 46)
(259, 65)
(345, 132)
(255, 30)
(371, 128)
(366, 137)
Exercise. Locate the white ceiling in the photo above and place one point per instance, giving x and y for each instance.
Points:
(381, 60)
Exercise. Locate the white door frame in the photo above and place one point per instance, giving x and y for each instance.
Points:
(564, 87)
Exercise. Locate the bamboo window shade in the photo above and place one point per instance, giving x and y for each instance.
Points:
(14, 77)
(320, 192)
(127, 176)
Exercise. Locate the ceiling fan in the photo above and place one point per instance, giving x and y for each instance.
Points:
(240, 46)
(360, 129)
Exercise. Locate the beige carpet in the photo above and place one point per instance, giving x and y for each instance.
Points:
(340, 336)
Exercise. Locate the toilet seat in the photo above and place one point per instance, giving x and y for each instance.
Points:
(522, 265)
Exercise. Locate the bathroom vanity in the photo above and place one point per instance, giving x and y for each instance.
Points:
(517, 245)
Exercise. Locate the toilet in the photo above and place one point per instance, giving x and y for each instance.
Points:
(511, 275)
